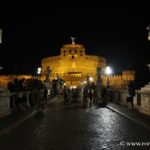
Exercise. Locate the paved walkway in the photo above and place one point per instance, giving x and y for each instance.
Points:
(71, 127)
(11, 121)
(131, 114)
(14, 119)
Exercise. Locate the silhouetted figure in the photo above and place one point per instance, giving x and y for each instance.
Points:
(44, 99)
(66, 94)
(85, 96)
(90, 96)
(130, 94)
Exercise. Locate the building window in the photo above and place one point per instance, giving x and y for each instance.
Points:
(72, 57)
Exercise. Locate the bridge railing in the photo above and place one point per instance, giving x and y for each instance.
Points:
(10, 102)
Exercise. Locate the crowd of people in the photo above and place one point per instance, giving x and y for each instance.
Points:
(27, 92)
(38, 94)
(71, 94)
(89, 96)
(86, 94)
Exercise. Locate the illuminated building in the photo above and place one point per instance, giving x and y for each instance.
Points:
(73, 65)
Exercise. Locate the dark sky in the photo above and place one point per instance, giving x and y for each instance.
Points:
(119, 34)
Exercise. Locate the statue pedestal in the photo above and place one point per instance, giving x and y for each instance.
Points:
(146, 88)
(145, 99)
(4, 103)
(141, 100)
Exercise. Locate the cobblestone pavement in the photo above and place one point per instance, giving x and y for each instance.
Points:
(71, 127)
(132, 114)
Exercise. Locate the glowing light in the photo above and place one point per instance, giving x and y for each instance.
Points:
(91, 79)
(73, 87)
(39, 70)
(108, 70)
(149, 36)
(85, 82)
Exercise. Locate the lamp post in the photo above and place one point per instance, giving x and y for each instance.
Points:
(108, 72)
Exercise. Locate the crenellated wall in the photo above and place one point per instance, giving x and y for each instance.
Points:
(4, 79)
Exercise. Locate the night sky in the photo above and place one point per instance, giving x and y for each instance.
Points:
(118, 34)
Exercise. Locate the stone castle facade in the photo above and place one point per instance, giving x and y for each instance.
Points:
(73, 65)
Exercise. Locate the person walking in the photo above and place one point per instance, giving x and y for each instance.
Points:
(90, 97)
(45, 93)
(65, 94)
(85, 96)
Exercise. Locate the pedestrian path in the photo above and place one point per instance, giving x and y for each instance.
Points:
(131, 114)
(16, 118)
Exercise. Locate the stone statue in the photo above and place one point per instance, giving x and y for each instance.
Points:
(48, 71)
(73, 40)
(148, 65)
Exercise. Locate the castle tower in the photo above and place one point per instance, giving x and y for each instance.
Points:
(73, 65)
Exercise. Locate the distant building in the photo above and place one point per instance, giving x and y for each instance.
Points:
(73, 65)
(5, 79)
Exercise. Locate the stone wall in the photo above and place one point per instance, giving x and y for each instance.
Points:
(4, 103)
(142, 101)
(4, 79)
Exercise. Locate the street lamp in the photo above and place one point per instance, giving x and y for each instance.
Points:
(91, 79)
(108, 72)
(39, 70)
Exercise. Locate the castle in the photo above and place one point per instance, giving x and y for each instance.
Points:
(73, 65)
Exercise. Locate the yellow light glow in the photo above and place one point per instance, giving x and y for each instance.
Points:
(91, 79)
